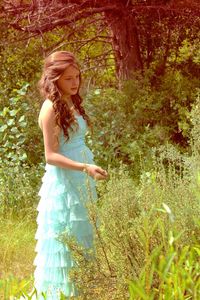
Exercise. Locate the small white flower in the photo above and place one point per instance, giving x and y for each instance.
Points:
(167, 209)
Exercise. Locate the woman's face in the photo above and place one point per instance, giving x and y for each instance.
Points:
(69, 81)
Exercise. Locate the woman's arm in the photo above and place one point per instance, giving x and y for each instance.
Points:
(48, 125)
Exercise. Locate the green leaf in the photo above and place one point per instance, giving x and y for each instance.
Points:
(23, 124)
(197, 250)
(21, 119)
(14, 130)
(3, 128)
(23, 157)
(168, 265)
(13, 112)
(23, 90)
(136, 290)
(10, 122)
(5, 111)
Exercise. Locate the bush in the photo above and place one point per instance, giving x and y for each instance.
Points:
(19, 186)
(141, 116)
(21, 140)
(136, 225)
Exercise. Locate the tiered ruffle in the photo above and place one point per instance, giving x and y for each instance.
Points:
(61, 208)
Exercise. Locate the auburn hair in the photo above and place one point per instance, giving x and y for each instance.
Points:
(54, 66)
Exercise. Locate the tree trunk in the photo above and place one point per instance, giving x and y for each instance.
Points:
(125, 43)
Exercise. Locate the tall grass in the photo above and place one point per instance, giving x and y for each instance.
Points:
(16, 255)
(18, 190)
(146, 234)
(147, 238)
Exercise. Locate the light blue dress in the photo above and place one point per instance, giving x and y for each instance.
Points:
(61, 208)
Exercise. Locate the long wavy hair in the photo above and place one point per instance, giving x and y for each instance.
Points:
(54, 66)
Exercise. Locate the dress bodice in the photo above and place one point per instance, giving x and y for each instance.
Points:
(75, 149)
(76, 138)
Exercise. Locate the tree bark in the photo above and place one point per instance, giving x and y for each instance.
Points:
(125, 42)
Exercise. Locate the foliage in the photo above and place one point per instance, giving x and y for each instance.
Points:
(195, 121)
(13, 128)
(18, 189)
(146, 116)
(18, 132)
(169, 42)
(20, 62)
(176, 270)
(146, 235)
(157, 38)
(17, 253)
(143, 115)
(14, 287)
(139, 226)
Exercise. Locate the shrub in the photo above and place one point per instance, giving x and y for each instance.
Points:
(130, 122)
(135, 223)
(19, 186)
(21, 140)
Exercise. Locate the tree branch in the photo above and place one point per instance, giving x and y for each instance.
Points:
(47, 24)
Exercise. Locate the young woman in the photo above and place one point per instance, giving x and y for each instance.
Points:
(69, 166)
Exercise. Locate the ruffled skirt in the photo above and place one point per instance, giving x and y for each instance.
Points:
(63, 195)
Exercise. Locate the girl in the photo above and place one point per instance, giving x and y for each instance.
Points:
(69, 164)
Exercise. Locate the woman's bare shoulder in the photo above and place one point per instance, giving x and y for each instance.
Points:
(45, 111)
(47, 105)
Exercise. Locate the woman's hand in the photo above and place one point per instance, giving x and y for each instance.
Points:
(95, 171)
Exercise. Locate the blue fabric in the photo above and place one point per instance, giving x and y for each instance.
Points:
(61, 208)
